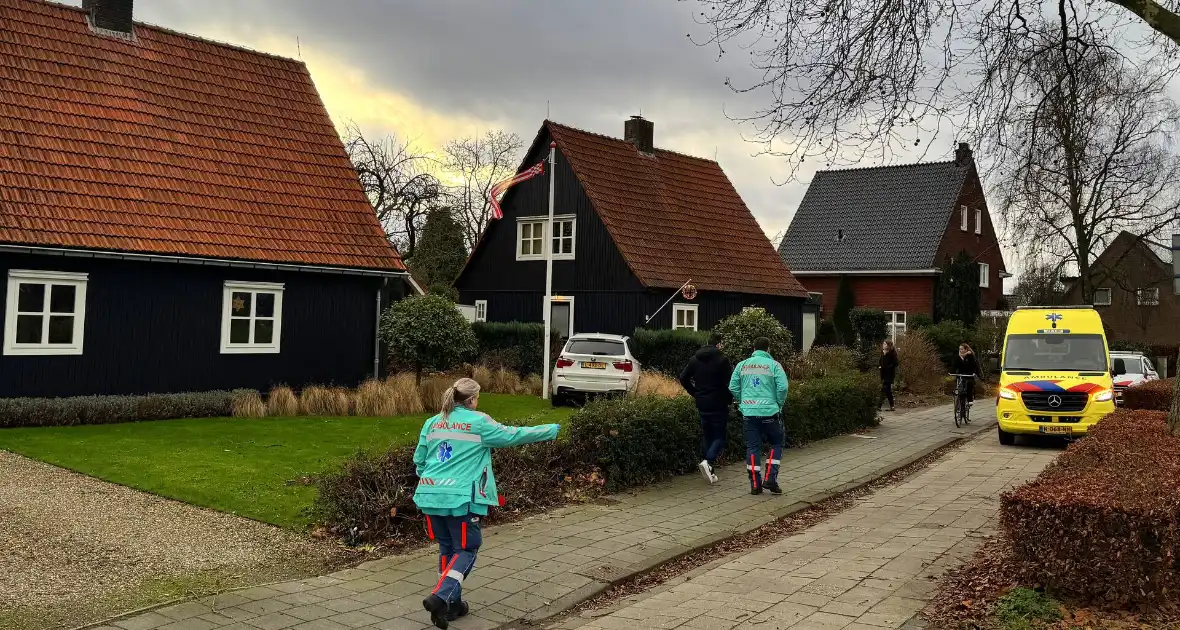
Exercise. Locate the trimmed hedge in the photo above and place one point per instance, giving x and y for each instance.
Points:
(1102, 522)
(613, 444)
(514, 345)
(1152, 395)
(666, 351)
(58, 412)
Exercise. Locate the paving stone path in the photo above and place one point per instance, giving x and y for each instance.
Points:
(538, 567)
(867, 568)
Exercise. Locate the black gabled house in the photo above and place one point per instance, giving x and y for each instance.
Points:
(633, 223)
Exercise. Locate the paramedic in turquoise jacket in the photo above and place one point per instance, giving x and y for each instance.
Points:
(759, 384)
(456, 486)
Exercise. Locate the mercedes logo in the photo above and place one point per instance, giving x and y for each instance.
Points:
(1055, 401)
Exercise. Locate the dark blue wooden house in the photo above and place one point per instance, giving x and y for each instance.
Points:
(633, 223)
(175, 215)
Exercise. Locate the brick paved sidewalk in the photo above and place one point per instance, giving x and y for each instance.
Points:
(543, 565)
(865, 569)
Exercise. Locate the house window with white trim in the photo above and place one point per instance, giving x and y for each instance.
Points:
(481, 310)
(895, 324)
(530, 240)
(530, 237)
(1102, 297)
(684, 316)
(979, 221)
(963, 220)
(1149, 296)
(45, 313)
(563, 238)
(985, 275)
(251, 317)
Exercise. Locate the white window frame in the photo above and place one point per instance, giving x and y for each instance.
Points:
(963, 219)
(1140, 300)
(546, 239)
(979, 220)
(985, 276)
(1103, 291)
(895, 328)
(17, 277)
(255, 288)
(481, 310)
(686, 308)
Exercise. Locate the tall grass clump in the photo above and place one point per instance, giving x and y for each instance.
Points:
(282, 403)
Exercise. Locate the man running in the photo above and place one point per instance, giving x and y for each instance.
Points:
(706, 379)
(760, 386)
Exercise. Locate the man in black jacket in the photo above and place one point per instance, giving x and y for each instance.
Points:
(706, 379)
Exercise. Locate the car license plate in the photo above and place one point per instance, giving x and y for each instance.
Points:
(593, 365)
(1057, 429)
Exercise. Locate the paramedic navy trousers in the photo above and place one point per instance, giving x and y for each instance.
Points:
(458, 539)
(757, 429)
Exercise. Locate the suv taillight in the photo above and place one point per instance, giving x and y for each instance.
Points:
(625, 366)
(564, 362)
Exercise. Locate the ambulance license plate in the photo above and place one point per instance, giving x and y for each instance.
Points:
(1057, 430)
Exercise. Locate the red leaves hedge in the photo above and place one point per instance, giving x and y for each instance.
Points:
(1155, 395)
(1103, 521)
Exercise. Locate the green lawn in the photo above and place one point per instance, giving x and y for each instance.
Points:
(241, 466)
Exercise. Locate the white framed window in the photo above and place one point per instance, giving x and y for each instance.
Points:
(481, 310)
(45, 312)
(985, 275)
(895, 326)
(1102, 297)
(963, 220)
(684, 316)
(1149, 296)
(251, 317)
(979, 221)
(530, 237)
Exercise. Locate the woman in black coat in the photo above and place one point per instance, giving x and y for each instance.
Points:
(888, 367)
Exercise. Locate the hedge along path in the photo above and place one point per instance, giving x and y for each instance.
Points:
(541, 566)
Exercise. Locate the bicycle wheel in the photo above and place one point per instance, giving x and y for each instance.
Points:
(958, 411)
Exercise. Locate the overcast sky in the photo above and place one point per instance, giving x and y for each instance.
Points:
(432, 70)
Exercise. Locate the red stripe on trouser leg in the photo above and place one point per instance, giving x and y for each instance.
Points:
(769, 464)
(442, 565)
(443, 578)
(753, 472)
(429, 529)
(463, 537)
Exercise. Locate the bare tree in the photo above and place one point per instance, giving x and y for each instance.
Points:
(399, 183)
(849, 80)
(477, 163)
(1040, 285)
(1087, 157)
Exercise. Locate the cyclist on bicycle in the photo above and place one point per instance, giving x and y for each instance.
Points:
(966, 363)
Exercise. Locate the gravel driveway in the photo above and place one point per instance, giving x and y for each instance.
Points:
(74, 549)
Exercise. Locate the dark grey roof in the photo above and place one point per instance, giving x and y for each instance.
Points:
(892, 217)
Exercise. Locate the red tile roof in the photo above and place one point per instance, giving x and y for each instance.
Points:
(675, 217)
(171, 144)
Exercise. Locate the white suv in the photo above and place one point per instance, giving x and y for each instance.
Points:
(1139, 370)
(593, 363)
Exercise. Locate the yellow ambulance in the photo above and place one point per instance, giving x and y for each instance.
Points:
(1057, 376)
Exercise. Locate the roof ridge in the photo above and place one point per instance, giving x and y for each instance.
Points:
(207, 40)
(614, 139)
(855, 169)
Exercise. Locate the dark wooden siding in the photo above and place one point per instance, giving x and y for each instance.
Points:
(156, 327)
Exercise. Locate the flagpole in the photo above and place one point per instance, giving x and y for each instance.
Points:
(548, 307)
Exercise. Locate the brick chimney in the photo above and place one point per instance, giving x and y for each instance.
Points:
(963, 155)
(640, 132)
(110, 15)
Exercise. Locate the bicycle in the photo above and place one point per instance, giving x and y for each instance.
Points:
(962, 404)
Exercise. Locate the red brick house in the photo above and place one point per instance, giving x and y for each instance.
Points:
(890, 230)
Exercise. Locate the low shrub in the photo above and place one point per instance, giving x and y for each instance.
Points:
(920, 368)
(825, 334)
(78, 410)
(281, 402)
(1103, 521)
(946, 336)
(1152, 395)
(870, 326)
(738, 333)
(513, 345)
(247, 404)
(826, 407)
(666, 351)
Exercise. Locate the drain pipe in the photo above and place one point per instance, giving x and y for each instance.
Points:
(377, 335)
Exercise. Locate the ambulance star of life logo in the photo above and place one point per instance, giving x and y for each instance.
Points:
(445, 451)
(757, 382)
(1053, 317)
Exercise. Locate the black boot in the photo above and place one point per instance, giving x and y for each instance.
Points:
(772, 487)
(438, 611)
(458, 609)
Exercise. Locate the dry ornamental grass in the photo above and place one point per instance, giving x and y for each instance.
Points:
(282, 403)
(656, 384)
(248, 404)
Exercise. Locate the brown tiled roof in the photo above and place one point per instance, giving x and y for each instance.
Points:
(170, 144)
(675, 217)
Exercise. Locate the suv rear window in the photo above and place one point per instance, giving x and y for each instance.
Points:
(597, 347)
